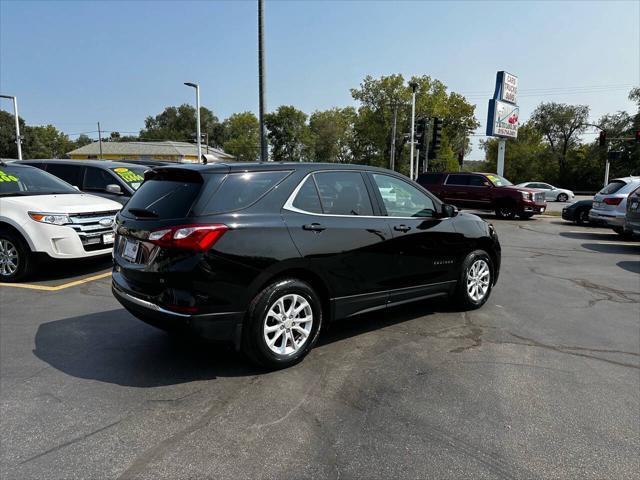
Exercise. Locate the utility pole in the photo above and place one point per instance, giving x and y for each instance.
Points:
(264, 153)
(17, 120)
(198, 134)
(392, 163)
(100, 139)
(413, 86)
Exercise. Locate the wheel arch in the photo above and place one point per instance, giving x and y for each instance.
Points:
(487, 245)
(9, 226)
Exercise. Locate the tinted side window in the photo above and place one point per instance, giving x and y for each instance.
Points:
(458, 179)
(97, 179)
(239, 190)
(476, 181)
(343, 193)
(429, 178)
(402, 199)
(307, 198)
(69, 173)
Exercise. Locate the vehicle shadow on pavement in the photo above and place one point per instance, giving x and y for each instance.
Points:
(630, 266)
(619, 248)
(590, 235)
(114, 347)
(59, 270)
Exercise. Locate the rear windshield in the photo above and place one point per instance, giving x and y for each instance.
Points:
(164, 196)
(613, 187)
(132, 176)
(239, 190)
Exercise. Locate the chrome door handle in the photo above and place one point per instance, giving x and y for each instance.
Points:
(402, 228)
(314, 227)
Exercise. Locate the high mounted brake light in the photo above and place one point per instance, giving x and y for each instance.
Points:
(198, 237)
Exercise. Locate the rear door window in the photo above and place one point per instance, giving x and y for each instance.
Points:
(307, 198)
(458, 179)
(612, 187)
(343, 193)
(242, 189)
(429, 178)
(69, 173)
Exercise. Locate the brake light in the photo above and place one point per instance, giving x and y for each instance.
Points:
(612, 200)
(198, 237)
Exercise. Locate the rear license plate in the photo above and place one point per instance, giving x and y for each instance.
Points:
(130, 250)
(107, 238)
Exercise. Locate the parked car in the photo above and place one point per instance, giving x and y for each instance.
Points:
(551, 193)
(42, 216)
(262, 255)
(484, 191)
(577, 212)
(632, 217)
(610, 204)
(113, 180)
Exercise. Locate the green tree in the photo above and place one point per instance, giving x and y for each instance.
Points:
(242, 136)
(289, 134)
(8, 147)
(82, 140)
(373, 127)
(45, 142)
(561, 126)
(332, 132)
(179, 124)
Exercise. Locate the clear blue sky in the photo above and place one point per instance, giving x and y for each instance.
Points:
(74, 63)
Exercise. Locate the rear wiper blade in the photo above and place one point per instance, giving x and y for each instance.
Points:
(143, 212)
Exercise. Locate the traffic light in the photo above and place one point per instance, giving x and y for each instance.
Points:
(436, 138)
(637, 136)
(460, 158)
(421, 133)
(602, 139)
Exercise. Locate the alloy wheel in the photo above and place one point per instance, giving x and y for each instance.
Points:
(288, 323)
(9, 258)
(478, 279)
(563, 197)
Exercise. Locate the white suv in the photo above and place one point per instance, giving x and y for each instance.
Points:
(610, 204)
(43, 215)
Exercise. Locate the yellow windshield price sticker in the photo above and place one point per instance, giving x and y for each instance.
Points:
(127, 175)
(5, 177)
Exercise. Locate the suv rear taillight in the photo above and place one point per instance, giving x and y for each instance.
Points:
(612, 200)
(197, 237)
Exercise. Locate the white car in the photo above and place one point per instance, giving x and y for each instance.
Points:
(41, 215)
(551, 193)
(610, 204)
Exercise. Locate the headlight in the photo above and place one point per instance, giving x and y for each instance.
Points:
(52, 218)
(526, 195)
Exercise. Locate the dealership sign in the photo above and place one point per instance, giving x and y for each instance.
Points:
(502, 119)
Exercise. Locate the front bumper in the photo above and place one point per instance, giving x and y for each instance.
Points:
(61, 242)
(219, 327)
(531, 207)
(607, 219)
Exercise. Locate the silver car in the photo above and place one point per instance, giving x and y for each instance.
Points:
(551, 193)
(610, 204)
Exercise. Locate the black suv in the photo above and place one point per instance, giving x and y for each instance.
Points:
(264, 254)
(113, 180)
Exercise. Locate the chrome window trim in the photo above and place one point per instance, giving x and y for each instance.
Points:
(288, 205)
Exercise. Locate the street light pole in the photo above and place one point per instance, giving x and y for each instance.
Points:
(413, 86)
(198, 135)
(264, 152)
(17, 119)
(392, 162)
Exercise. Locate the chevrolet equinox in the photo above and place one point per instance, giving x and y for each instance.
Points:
(264, 255)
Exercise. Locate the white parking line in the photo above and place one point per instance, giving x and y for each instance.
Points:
(622, 244)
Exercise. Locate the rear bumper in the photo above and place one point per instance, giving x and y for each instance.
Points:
(607, 219)
(220, 327)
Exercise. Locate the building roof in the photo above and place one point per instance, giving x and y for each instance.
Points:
(150, 148)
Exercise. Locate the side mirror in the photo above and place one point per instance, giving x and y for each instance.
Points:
(449, 211)
(76, 187)
(113, 188)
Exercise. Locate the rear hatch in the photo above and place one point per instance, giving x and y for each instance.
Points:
(610, 197)
(159, 237)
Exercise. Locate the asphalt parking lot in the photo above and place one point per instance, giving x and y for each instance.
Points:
(542, 382)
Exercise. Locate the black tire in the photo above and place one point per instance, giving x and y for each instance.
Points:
(582, 216)
(525, 216)
(254, 344)
(506, 210)
(563, 197)
(12, 242)
(463, 299)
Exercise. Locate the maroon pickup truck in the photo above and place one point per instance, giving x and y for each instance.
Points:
(484, 191)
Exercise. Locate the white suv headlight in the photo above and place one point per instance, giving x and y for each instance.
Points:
(52, 218)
